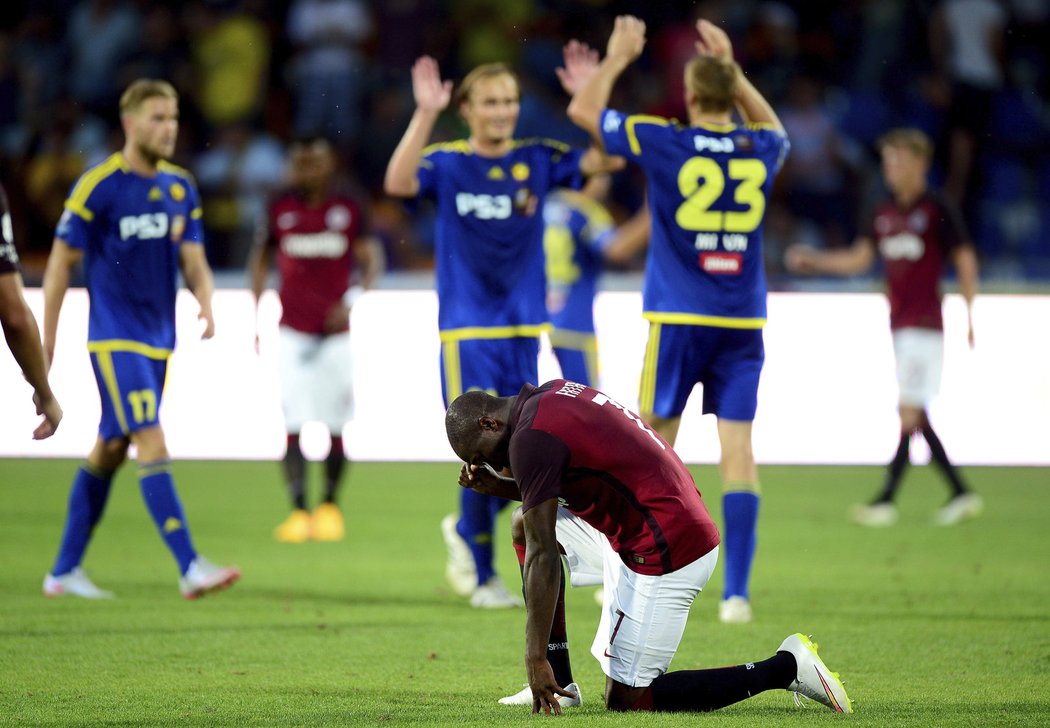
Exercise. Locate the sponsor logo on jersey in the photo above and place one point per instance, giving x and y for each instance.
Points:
(743, 143)
(149, 226)
(520, 171)
(484, 207)
(713, 144)
(496, 173)
(903, 246)
(155, 195)
(287, 220)
(611, 122)
(315, 245)
(337, 218)
(177, 192)
(722, 263)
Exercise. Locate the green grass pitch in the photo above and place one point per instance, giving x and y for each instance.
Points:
(929, 626)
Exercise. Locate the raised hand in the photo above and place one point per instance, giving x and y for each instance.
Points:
(581, 62)
(628, 38)
(430, 92)
(713, 40)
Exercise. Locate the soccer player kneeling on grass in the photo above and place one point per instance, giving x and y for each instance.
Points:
(599, 485)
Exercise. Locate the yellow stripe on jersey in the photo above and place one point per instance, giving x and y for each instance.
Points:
(718, 126)
(647, 393)
(696, 319)
(77, 202)
(761, 125)
(632, 135)
(453, 373)
(104, 359)
(126, 345)
(552, 143)
(197, 213)
(165, 166)
(460, 146)
(493, 332)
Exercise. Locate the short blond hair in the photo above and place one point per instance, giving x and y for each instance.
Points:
(484, 71)
(712, 81)
(142, 89)
(914, 140)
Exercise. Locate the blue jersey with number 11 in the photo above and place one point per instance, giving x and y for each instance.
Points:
(708, 186)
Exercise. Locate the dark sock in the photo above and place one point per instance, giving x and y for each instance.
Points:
(558, 643)
(941, 458)
(333, 469)
(704, 690)
(294, 469)
(896, 469)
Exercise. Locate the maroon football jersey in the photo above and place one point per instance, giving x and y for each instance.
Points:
(314, 256)
(914, 243)
(607, 466)
(8, 254)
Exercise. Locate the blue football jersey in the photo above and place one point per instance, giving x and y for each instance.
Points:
(708, 187)
(489, 234)
(130, 228)
(577, 231)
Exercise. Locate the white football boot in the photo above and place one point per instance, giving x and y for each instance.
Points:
(734, 610)
(876, 515)
(75, 583)
(203, 577)
(460, 571)
(813, 678)
(961, 508)
(525, 697)
(493, 595)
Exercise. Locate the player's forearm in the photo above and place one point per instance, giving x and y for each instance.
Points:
(258, 268)
(22, 334)
(541, 574)
(374, 264)
(753, 106)
(400, 179)
(587, 105)
(200, 281)
(56, 283)
(967, 271)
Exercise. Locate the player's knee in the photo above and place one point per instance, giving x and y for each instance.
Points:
(620, 697)
(150, 444)
(108, 455)
(517, 527)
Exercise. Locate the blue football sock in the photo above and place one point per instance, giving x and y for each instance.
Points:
(477, 515)
(87, 500)
(740, 514)
(158, 490)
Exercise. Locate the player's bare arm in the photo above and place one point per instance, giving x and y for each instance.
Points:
(965, 260)
(371, 259)
(630, 238)
(56, 281)
(432, 96)
(201, 283)
(258, 270)
(851, 261)
(542, 574)
(483, 479)
(750, 103)
(625, 45)
(23, 338)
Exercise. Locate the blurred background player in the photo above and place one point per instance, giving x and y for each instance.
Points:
(913, 232)
(579, 239)
(318, 235)
(20, 329)
(489, 190)
(134, 220)
(705, 287)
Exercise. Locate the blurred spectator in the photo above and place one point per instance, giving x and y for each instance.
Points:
(236, 176)
(101, 34)
(231, 56)
(162, 52)
(329, 74)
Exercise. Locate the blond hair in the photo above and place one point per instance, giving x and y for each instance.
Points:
(484, 71)
(142, 89)
(712, 82)
(914, 140)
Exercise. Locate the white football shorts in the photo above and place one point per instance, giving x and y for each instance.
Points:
(920, 359)
(316, 379)
(643, 617)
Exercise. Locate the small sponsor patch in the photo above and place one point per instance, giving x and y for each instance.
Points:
(722, 263)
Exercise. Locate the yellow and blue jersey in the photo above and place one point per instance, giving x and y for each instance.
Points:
(130, 228)
(578, 229)
(708, 186)
(489, 234)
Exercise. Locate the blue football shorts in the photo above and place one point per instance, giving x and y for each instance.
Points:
(497, 366)
(727, 362)
(130, 386)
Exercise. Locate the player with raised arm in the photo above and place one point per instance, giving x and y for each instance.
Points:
(705, 286)
(20, 329)
(135, 222)
(489, 190)
(597, 484)
(317, 234)
(914, 232)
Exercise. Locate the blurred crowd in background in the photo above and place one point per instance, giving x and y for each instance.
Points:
(975, 74)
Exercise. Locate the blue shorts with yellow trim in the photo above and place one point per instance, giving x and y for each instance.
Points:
(130, 385)
(577, 355)
(726, 361)
(497, 366)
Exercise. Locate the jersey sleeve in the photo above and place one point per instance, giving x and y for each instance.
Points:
(427, 174)
(81, 207)
(598, 227)
(565, 167)
(539, 461)
(626, 135)
(8, 255)
(770, 143)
